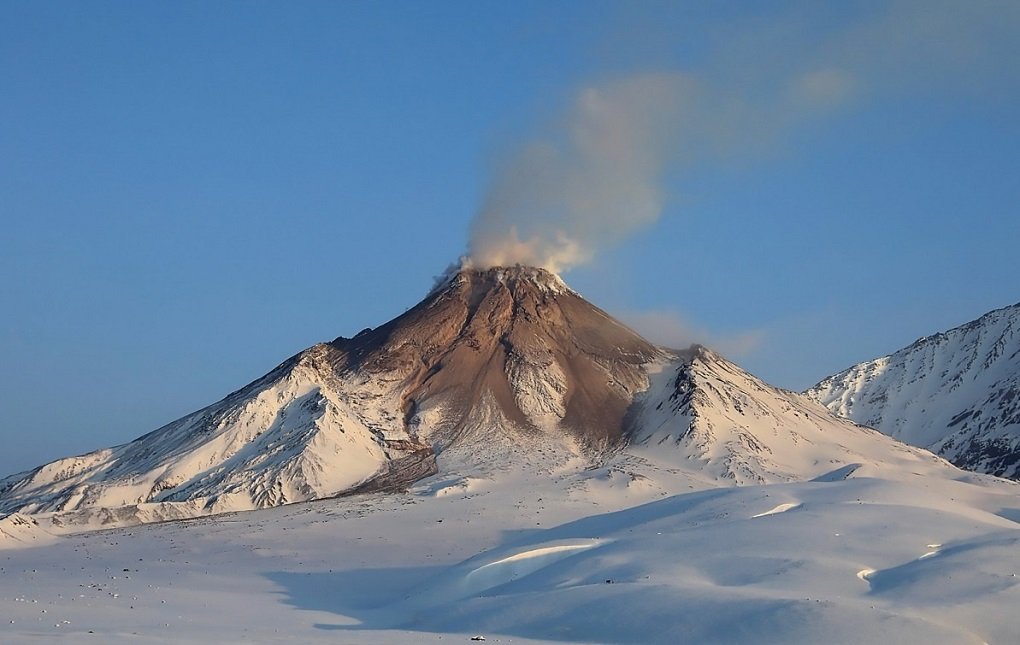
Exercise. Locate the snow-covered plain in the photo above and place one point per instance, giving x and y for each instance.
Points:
(532, 555)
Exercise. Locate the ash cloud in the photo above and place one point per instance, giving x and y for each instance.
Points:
(599, 172)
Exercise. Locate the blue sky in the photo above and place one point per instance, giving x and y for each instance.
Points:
(192, 192)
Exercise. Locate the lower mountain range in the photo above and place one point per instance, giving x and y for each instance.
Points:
(956, 393)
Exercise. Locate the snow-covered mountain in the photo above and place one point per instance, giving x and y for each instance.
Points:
(956, 393)
(708, 413)
(489, 358)
(494, 369)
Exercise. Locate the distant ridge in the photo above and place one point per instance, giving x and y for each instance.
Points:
(956, 393)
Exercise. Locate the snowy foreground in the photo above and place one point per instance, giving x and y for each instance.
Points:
(601, 556)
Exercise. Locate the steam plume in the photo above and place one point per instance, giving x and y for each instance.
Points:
(556, 200)
(597, 175)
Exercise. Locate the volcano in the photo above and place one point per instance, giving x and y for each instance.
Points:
(505, 349)
(495, 369)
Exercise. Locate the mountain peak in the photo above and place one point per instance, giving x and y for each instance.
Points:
(514, 344)
(513, 277)
(956, 393)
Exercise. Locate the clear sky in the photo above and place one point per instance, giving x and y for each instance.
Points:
(192, 192)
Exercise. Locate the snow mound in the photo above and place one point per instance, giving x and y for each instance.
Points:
(519, 565)
(782, 508)
(445, 486)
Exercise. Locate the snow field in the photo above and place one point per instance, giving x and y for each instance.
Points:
(544, 558)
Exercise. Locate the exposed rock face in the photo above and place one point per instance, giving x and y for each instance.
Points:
(956, 393)
(548, 359)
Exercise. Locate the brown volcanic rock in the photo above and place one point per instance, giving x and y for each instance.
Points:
(545, 355)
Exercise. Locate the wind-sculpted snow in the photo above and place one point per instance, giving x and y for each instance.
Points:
(956, 393)
(716, 567)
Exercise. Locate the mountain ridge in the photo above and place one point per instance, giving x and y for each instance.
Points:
(955, 392)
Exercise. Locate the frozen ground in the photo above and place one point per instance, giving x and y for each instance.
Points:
(596, 557)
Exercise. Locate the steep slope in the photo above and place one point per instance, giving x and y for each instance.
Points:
(706, 411)
(293, 435)
(505, 350)
(487, 361)
(956, 393)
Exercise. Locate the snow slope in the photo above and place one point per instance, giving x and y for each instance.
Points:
(505, 357)
(293, 435)
(703, 412)
(713, 567)
(956, 393)
(18, 531)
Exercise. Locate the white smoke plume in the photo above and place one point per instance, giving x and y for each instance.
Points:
(598, 173)
(557, 200)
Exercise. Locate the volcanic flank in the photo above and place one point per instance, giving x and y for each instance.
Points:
(516, 343)
(495, 369)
